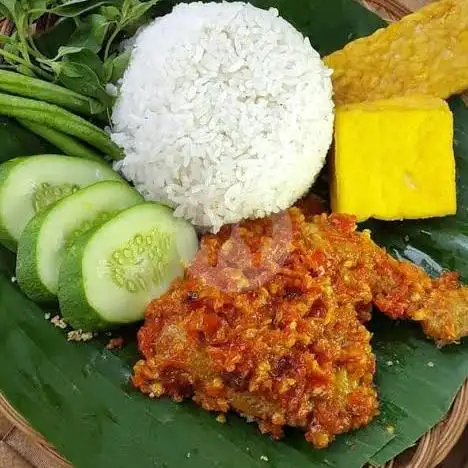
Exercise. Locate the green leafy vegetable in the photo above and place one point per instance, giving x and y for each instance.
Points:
(111, 13)
(115, 66)
(75, 8)
(55, 36)
(129, 15)
(82, 79)
(88, 58)
(80, 70)
(89, 31)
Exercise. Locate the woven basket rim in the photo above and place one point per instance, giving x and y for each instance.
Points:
(20, 423)
(430, 450)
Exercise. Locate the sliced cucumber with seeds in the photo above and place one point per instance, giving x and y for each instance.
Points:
(111, 274)
(28, 185)
(55, 230)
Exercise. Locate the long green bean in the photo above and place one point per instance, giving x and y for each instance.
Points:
(62, 141)
(27, 86)
(60, 119)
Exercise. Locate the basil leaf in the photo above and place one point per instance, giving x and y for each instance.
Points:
(37, 8)
(90, 33)
(66, 50)
(4, 11)
(55, 37)
(75, 8)
(108, 67)
(110, 12)
(8, 8)
(140, 8)
(137, 12)
(88, 58)
(119, 65)
(82, 79)
(78, 55)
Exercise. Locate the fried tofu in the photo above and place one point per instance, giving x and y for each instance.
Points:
(394, 159)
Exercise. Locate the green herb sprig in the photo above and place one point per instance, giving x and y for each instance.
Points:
(89, 56)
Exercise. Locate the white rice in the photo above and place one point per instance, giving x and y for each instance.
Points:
(225, 113)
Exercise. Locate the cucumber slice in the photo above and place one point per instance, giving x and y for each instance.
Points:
(27, 185)
(55, 229)
(111, 274)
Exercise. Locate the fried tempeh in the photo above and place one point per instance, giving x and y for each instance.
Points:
(269, 321)
(424, 53)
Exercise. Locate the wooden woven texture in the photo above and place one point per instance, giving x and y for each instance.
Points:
(22, 447)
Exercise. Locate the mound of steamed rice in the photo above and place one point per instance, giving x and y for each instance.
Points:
(224, 113)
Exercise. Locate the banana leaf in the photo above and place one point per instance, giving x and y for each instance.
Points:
(17, 141)
(79, 396)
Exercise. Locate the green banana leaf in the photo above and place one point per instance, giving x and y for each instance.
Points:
(79, 396)
(17, 141)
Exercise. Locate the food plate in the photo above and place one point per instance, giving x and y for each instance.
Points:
(108, 424)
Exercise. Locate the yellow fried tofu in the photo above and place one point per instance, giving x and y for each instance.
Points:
(393, 159)
(424, 53)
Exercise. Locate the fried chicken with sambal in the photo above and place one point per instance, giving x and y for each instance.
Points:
(269, 321)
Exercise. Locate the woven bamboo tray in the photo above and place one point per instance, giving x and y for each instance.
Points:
(430, 450)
